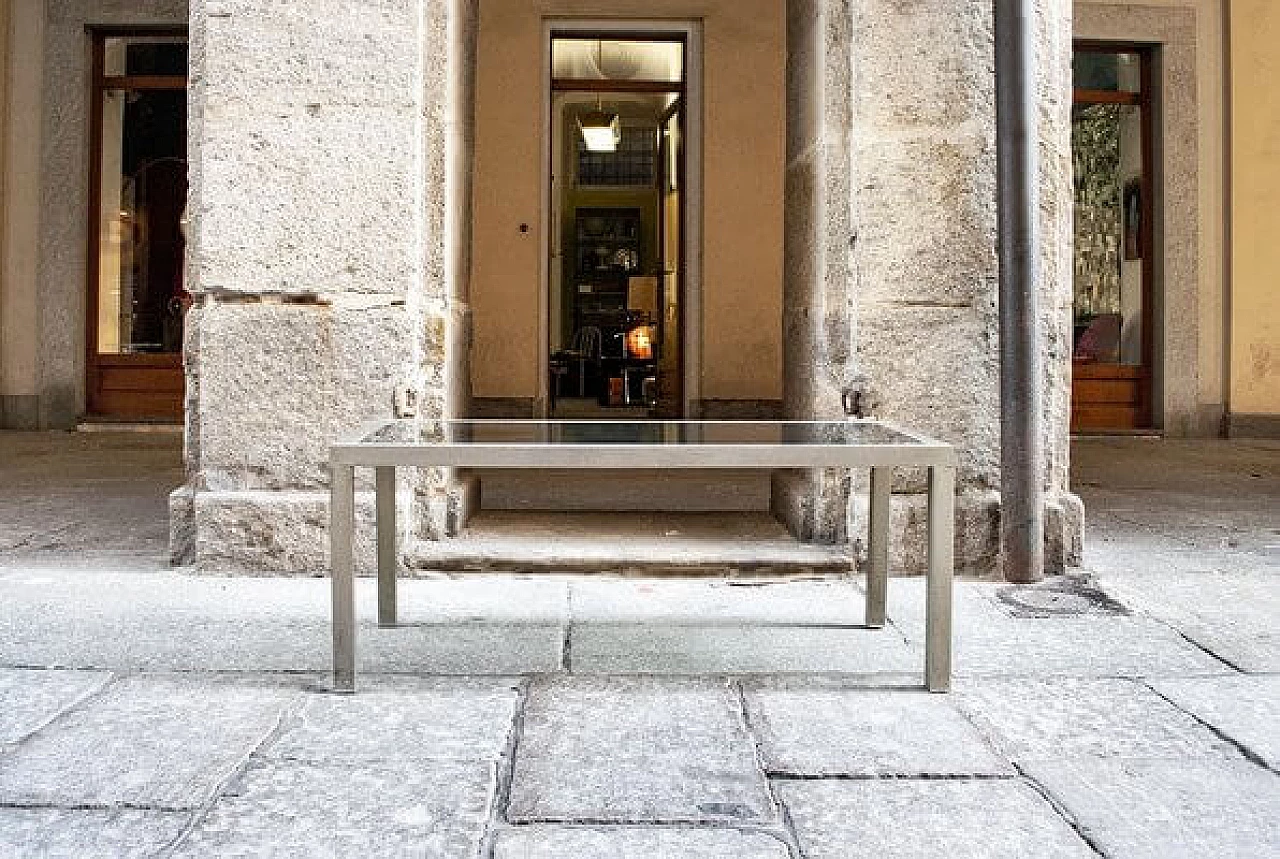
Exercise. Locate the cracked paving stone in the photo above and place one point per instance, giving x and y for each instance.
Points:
(1048, 719)
(811, 729)
(635, 842)
(1167, 809)
(402, 719)
(30, 699)
(636, 750)
(1245, 708)
(924, 819)
(296, 809)
(58, 833)
(161, 742)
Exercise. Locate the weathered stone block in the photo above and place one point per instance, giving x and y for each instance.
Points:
(923, 64)
(936, 370)
(291, 808)
(62, 832)
(315, 52)
(1168, 809)
(274, 532)
(163, 743)
(313, 199)
(636, 750)
(1073, 719)
(1001, 819)
(280, 383)
(418, 720)
(926, 220)
(631, 842)
(826, 730)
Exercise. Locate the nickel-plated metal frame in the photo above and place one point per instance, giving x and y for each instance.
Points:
(881, 458)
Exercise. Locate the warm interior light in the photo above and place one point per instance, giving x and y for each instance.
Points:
(640, 342)
(601, 131)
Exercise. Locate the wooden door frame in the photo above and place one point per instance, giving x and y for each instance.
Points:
(101, 82)
(1143, 100)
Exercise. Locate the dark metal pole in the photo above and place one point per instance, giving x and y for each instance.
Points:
(1021, 377)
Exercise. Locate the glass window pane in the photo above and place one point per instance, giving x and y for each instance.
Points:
(145, 55)
(1114, 72)
(143, 191)
(617, 60)
(1106, 143)
(634, 162)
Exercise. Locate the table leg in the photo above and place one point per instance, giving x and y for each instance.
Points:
(878, 547)
(385, 484)
(937, 660)
(342, 514)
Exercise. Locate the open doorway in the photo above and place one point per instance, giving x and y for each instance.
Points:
(1114, 260)
(138, 192)
(615, 278)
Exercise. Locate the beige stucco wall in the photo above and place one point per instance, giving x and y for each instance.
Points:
(743, 140)
(20, 109)
(1255, 208)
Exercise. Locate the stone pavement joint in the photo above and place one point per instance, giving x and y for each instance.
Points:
(1223, 734)
(788, 833)
(505, 769)
(1053, 802)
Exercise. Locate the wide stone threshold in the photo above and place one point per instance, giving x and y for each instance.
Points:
(734, 545)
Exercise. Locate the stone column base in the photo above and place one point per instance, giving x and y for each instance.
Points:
(814, 509)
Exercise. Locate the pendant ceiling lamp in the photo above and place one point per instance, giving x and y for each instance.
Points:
(601, 130)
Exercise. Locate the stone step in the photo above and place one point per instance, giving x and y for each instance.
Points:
(683, 490)
(744, 544)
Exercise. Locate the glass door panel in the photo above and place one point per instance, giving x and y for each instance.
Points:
(137, 294)
(143, 190)
(1109, 257)
(1112, 263)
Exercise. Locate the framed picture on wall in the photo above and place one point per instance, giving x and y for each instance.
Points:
(1133, 219)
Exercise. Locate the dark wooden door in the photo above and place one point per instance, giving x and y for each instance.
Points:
(137, 298)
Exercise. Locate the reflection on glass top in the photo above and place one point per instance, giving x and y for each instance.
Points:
(627, 432)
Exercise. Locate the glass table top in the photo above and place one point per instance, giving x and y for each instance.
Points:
(532, 432)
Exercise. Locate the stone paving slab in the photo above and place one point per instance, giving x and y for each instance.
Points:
(704, 603)
(401, 719)
(160, 742)
(635, 842)
(30, 699)
(58, 833)
(636, 750)
(1245, 708)
(172, 622)
(1231, 614)
(754, 649)
(991, 642)
(1071, 718)
(925, 819)
(1169, 809)
(296, 809)
(810, 729)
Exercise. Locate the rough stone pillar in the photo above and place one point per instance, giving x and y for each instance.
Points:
(818, 310)
(914, 332)
(1064, 512)
(315, 256)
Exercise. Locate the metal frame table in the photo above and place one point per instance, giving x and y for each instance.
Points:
(389, 444)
